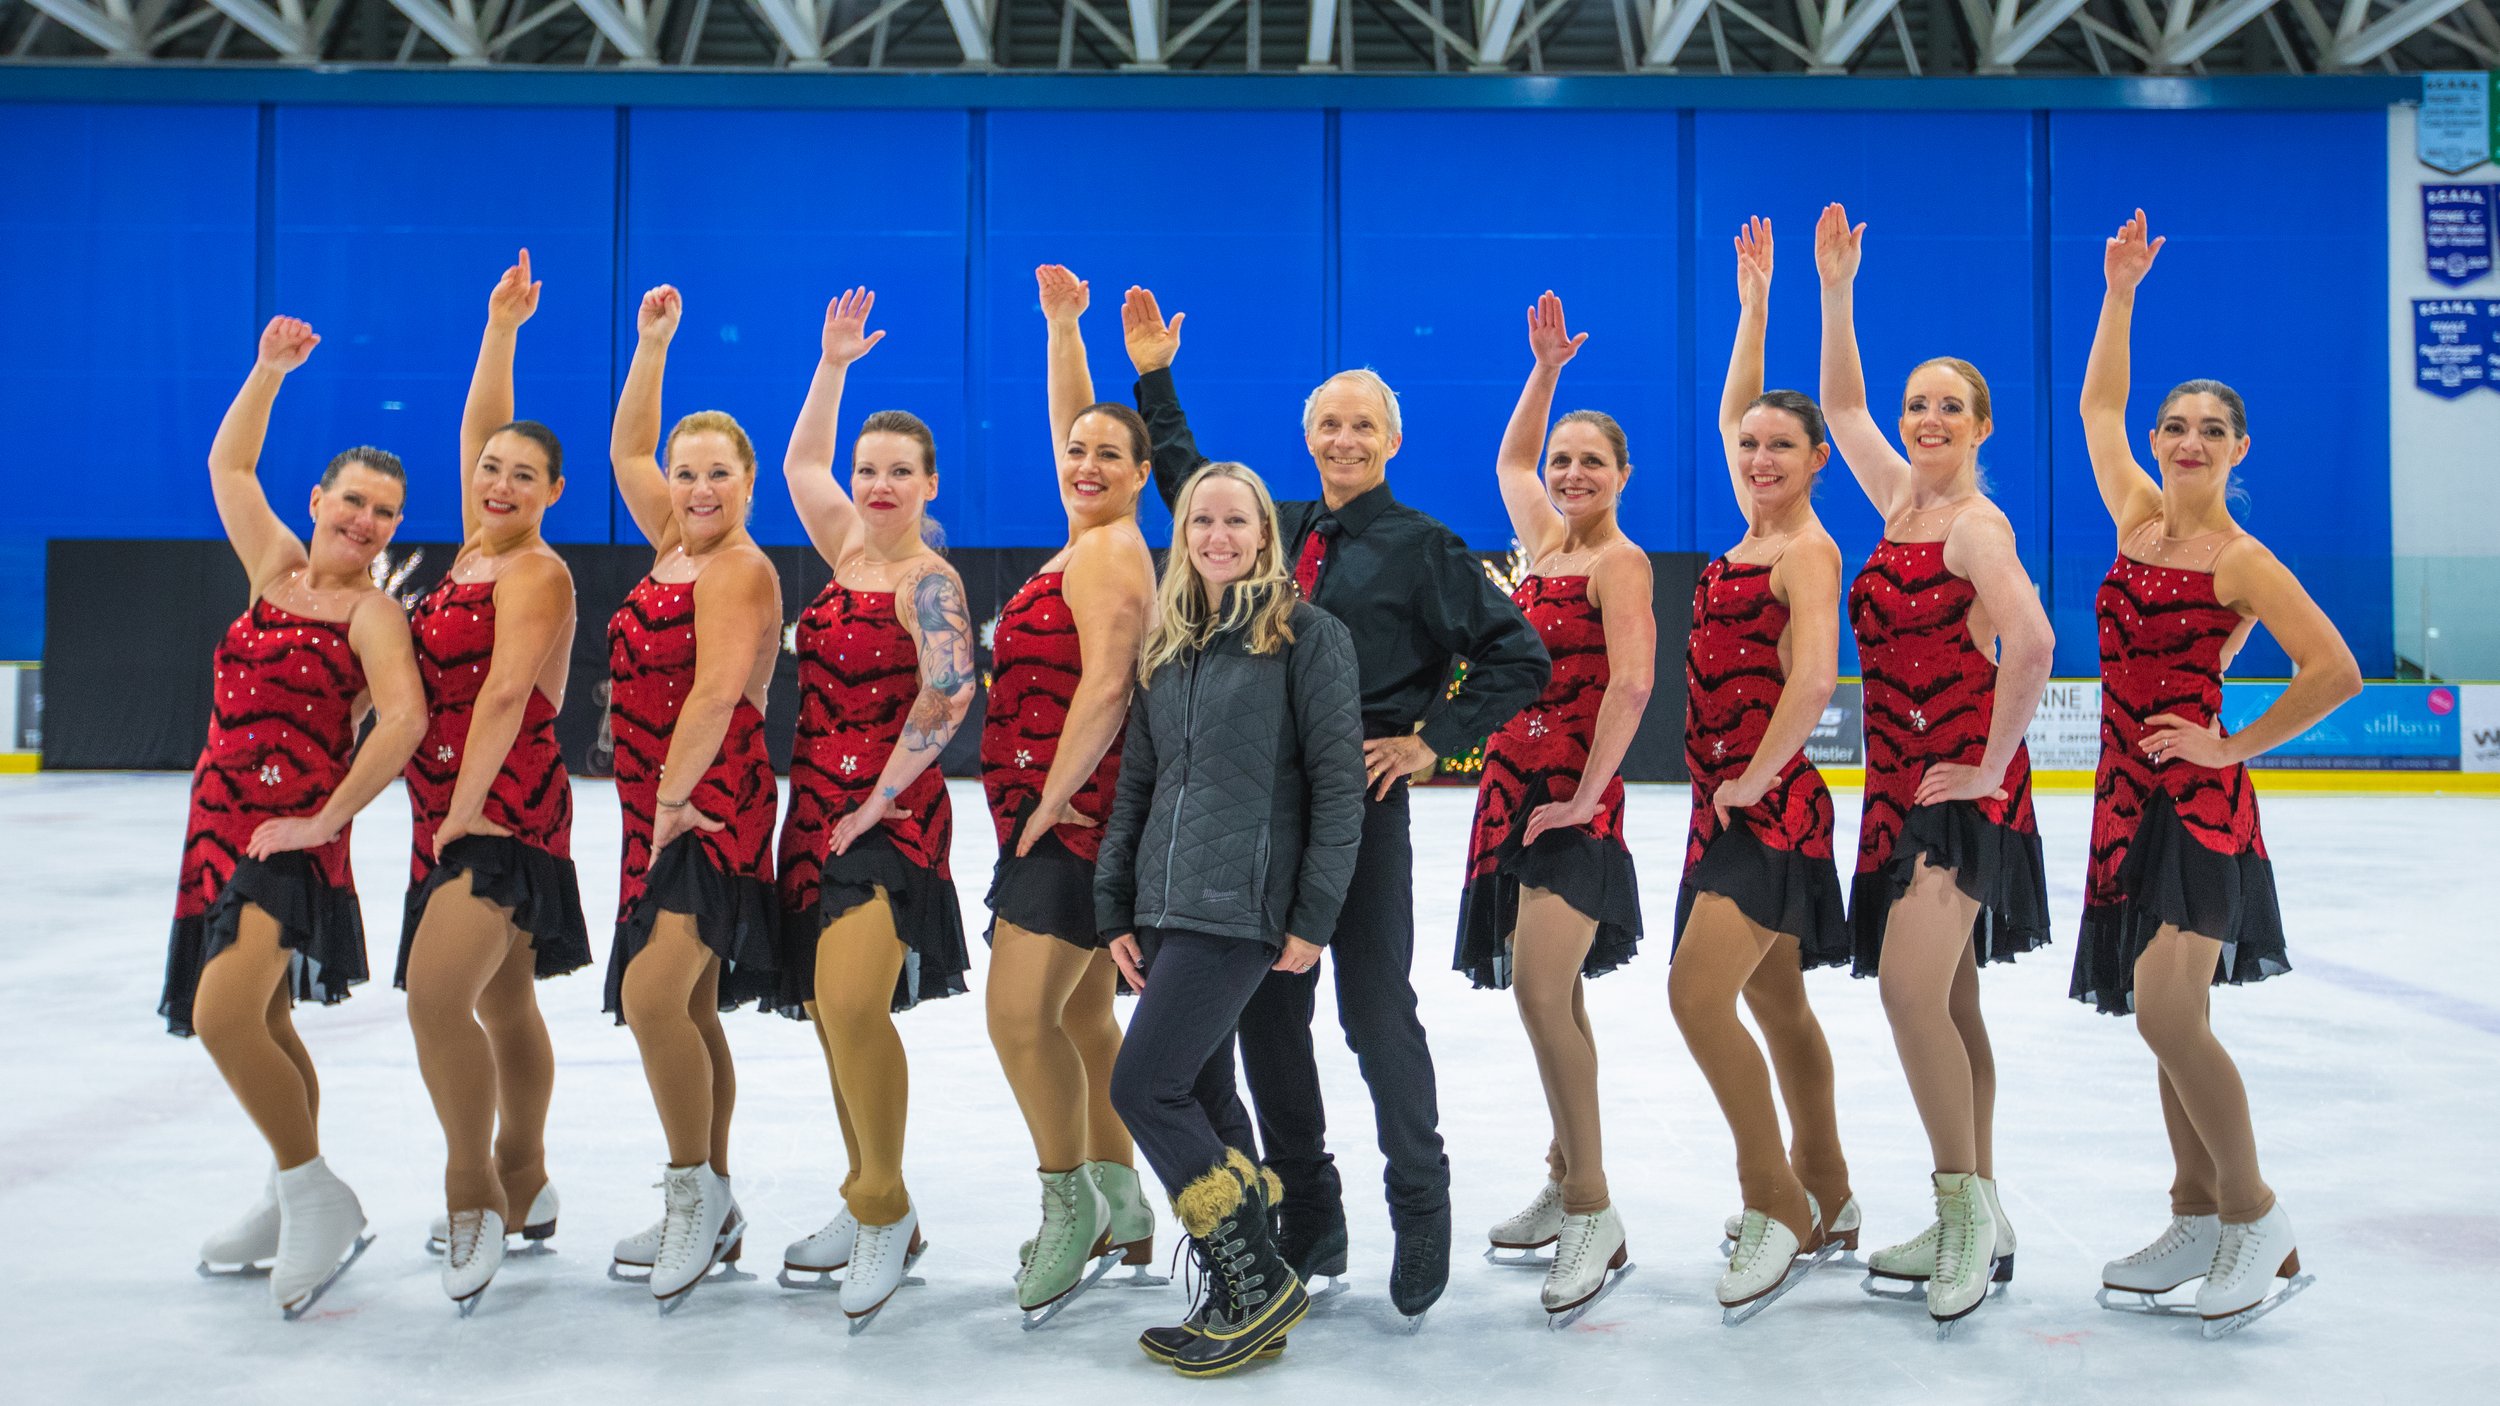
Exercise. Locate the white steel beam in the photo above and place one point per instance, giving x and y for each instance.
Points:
(267, 25)
(457, 36)
(794, 23)
(970, 19)
(1841, 41)
(1496, 22)
(1145, 31)
(1323, 46)
(2025, 34)
(625, 24)
(2391, 30)
(116, 35)
(2183, 44)
(1671, 23)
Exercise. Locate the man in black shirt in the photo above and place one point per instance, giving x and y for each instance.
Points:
(1417, 601)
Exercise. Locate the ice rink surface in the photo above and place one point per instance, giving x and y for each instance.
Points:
(2372, 1070)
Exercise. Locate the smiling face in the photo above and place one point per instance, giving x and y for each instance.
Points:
(1225, 532)
(890, 479)
(1350, 435)
(513, 485)
(2197, 440)
(1583, 476)
(1944, 419)
(353, 519)
(1778, 457)
(708, 487)
(1101, 470)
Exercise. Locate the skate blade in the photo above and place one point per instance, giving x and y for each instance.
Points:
(1042, 1313)
(859, 1323)
(789, 1278)
(468, 1305)
(304, 1305)
(1898, 1290)
(1336, 1286)
(1520, 1257)
(256, 1269)
(2146, 1303)
(2225, 1327)
(1556, 1322)
(624, 1273)
(1732, 1314)
(1415, 1323)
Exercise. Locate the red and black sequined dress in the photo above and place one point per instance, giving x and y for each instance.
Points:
(531, 871)
(281, 732)
(1034, 666)
(2172, 842)
(1775, 865)
(859, 673)
(1535, 758)
(723, 878)
(1930, 693)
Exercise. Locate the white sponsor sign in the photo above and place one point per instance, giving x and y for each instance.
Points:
(2478, 727)
(2065, 734)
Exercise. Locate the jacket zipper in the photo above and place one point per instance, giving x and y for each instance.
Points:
(1180, 800)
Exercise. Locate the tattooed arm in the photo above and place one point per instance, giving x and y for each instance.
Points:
(934, 614)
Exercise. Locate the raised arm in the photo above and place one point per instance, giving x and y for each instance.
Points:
(2324, 673)
(1744, 359)
(1980, 548)
(378, 633)
(267, 546)
(634, 440)
(824, 509)
(1152, 343)
(1064, 300)
(1109, 584)
(1619, 585)
(489, 406)
(940, 625)
(1881, 471)
(737, 605)
(2127, 491)
(1532, 517)
(533, 607)
(1808, 580)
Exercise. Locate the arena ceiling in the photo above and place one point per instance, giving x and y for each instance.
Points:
(1922, 38)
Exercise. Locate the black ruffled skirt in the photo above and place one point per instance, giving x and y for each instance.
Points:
(323, 926)
(1995, 864)
(1778, 889)
(734, 914)
(1594, 876)
(542, 893)
(2170, 878)
(926, 917)
(1050, 891)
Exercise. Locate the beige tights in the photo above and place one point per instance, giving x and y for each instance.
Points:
(1051, 1021)
(672, 1004)
(1931, 995)
(2203, 1103)
(243, 1016)
(483, 1050)
(1550, 942)
(858, 959)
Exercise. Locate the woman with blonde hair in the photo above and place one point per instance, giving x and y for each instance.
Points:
(1226, 856)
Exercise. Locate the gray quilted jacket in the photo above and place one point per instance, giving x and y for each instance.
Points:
(1241, 791)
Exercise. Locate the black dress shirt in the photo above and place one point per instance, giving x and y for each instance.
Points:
(1414, 597)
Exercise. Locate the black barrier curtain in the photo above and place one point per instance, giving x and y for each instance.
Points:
(131, 628)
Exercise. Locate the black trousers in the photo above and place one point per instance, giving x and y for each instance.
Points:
(1196, 986)
(1373, 957)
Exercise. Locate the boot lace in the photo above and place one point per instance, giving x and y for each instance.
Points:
(1058, 1222)
(677, 1226)
(1538, 1211)
(2228, 1256)
(1954, 1217)
(1750, 1241)
(468, 1228)
(2182, 1231)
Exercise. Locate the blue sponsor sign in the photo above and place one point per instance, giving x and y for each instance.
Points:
(2452, 344)
(2456, 232)
(2453, 131)
(2389, 727)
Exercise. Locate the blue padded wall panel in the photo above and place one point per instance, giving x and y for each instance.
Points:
(1453, 222)
(1237, 243)
(392, 225)
(130, 231)
(1947, 201)
(760, 219)
(2276, 290)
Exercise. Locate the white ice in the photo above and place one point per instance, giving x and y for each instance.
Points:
(2371, 1069)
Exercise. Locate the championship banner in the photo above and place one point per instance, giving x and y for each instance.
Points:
(2453, 347)
(2456, 232)
(2389, 727)
(2454, 131)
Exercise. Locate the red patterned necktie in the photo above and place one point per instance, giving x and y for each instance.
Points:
(1314, 558)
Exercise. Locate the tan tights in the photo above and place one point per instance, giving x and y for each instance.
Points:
(1546, 949)
(1931, 995)
(242, 1013)
(672, 1003)
(1722, 953)
(483, 1049)
(1051, 1021)
(858, 959)
(2203, 1103)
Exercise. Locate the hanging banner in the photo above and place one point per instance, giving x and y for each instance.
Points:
(2454, 132)
(2456, 232)
(2452, 345)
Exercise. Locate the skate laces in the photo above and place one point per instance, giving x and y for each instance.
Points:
(2176, 1238)
(1058, 1219)
(2229, 1254)
(1749, 1241)
(1547, 1199)
(1954, 1217)
(468, 1229)
(677, 1226)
